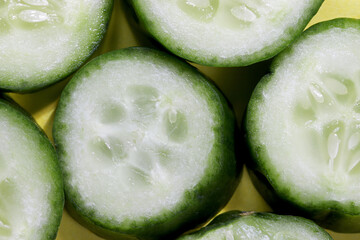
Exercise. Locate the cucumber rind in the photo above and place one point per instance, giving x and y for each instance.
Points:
(198, 56)
(204, 203)
(334, 215)
(87, 47)
(235, 218)
(22, 119)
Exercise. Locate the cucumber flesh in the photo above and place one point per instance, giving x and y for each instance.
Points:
(30, 180)
(226, 32)
(303, 121)
(263, 226)
(144, 142)
(43, 41)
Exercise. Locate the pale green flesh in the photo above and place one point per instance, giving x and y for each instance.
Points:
(143, 138)
(230, 13)
(43, 40)
(223, 29)
(311, 119)
(263, 228)
(25, 183)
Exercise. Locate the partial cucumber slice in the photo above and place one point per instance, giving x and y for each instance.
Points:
(31, 186)
(146, 145)
(261, 226)
(43, 41)
(303, 125)
(225, 32)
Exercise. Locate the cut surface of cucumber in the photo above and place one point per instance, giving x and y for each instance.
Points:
(261, 226)
(225, 32)
(43, 41)
(303, 125)
(146, 144)
(31, 188)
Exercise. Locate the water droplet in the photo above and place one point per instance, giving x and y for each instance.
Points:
(354, 141)
(333, 145)
(316, 93)
(243, 13)
(33, 16)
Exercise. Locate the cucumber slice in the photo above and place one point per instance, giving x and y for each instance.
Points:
(146, 144)
(228, 33)
(43, 41)
(31, 186)
(303, 126)
(261, 226)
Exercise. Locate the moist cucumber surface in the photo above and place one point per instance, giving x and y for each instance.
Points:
(303, 125)
(225, 32)
(31, 186)
(236, 225)
(146, 145)
(43, 41)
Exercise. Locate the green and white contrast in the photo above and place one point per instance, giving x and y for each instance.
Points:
(227, 33)
(260, 226)
(146, 145)
(43, 41)
(31, 186)
(303, 126)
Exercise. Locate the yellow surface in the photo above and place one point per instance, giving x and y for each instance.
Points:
(236, 83)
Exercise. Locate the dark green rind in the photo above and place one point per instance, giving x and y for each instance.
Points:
(51, 78)
(328, 214)
(193, 55)
(22, 119)
(236, 217)
(198, 204)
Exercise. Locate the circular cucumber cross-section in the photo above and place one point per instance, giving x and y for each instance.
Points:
(303, 123)
(262, 226)
(31, 187)
(225, 32)
(43, 41)
(146, 144)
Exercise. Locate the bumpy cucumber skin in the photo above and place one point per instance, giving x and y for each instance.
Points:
(331, 215)
(232, 217)
(27, 85)
(200, 203)
(181, 50)
(21, 118)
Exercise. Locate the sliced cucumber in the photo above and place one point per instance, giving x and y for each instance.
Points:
(31, 186)
(261, 226)
(146, 145)
(303, 126)
(225, 32)
(43, 41)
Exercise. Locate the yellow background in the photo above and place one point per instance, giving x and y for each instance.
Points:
(236, 83)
